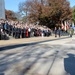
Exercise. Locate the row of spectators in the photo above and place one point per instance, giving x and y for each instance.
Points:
(22, 30)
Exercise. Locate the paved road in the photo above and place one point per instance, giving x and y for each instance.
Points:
(44, 58)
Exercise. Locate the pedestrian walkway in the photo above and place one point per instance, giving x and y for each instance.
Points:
(50, 57)
(31, 40)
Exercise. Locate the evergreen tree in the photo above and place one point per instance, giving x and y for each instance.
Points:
(74, 14)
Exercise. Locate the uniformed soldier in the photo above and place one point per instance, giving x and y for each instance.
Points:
(70, 31)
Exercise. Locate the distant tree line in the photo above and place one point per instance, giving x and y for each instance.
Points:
(46, 12)
(11, 15)
(73, 14)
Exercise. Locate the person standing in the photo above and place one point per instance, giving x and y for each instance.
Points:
(71, 32)
(1, 30)
(55, 31)
(29, 32)
(59, 31)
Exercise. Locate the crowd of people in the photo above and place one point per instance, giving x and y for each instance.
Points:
(67, 29)
(18, 29)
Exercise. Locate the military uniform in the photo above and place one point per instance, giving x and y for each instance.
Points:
(71, 31)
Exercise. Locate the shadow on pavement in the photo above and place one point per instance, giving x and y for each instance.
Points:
(52, 62)
(27, 56)
(1, 73)
(27, 44)
(69, 64)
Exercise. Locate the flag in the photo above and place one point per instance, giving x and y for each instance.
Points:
(65, 26)
(62, 26)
